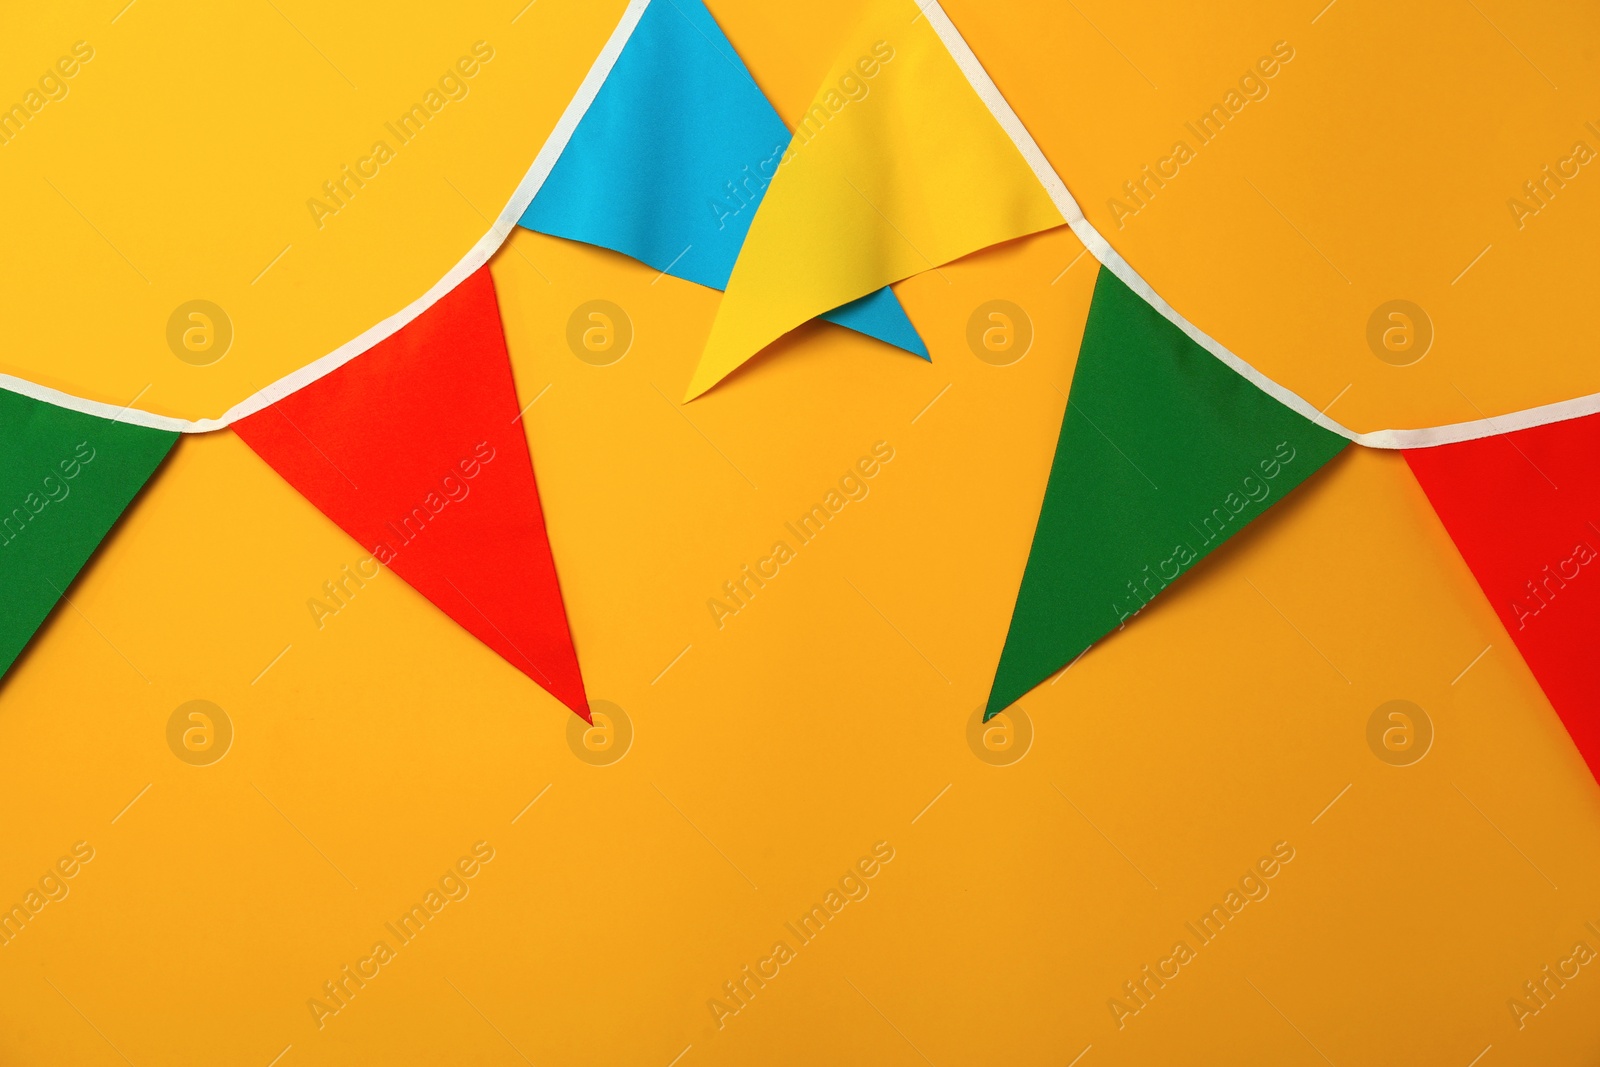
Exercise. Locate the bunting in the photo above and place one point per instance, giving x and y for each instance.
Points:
(673, 159)
(897, 167)
(409, 436)
(1164, 454)
(1524, 511)
(66, 477)
(417, 451)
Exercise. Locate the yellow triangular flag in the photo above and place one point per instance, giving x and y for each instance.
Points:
(899, 166)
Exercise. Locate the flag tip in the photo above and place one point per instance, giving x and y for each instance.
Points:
(697, 388)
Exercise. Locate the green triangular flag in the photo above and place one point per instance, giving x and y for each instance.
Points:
(1164, 453)
(65, 479)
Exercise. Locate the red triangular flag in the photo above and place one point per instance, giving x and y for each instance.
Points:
(1523, 508)
(416, 450)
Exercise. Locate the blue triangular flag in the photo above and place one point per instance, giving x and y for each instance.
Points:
(672, 158)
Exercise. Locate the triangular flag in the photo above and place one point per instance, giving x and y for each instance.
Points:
(1523, 508)
(415, 448)
(897, 167)
(65, 479)
(1164, 454)
(672, 158)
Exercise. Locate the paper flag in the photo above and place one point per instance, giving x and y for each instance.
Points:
(65, 479)
(672, 159)
(897, 167)
(1524, 511)
(1164, 454)
(416, 450)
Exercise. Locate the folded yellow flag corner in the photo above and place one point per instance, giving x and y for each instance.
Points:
(899, 166)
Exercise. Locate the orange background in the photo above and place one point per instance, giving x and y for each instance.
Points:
(831, 713)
